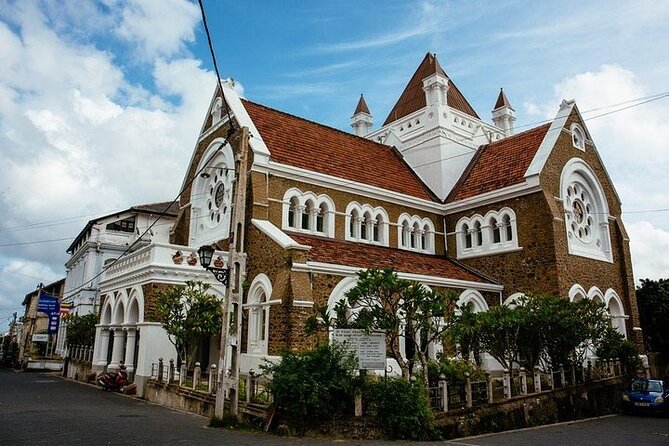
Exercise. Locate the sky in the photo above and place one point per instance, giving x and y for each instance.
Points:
(101, 101)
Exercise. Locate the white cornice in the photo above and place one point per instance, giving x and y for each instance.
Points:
(517, 190)
(157, 273)
(353, 187)
(277, 235)
(349, 271)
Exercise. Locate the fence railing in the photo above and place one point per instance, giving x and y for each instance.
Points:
(252, 388)
(80, 352)
(455, 395)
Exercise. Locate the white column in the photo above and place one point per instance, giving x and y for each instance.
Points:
(117, 348)
(130, 348)
(103, 351)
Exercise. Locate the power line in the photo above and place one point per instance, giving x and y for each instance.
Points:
(36, 242)
(218, 75)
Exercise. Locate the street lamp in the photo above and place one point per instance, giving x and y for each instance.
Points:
(206, 252)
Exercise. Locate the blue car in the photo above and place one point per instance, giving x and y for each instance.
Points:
(646, 395)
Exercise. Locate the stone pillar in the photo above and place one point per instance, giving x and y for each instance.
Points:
(101, 359)
(130, 349)
(213, 376)
(197, 373)
(490, 382)
(117, 349)
(183, 371)
(468, 390)
(537, 379)
(523, 381)
(507, 384)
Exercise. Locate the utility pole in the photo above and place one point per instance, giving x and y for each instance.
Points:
(231, 331)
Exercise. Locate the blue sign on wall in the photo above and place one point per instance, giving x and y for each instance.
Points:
(49, 304)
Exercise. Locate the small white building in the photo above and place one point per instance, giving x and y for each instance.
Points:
(99, 244)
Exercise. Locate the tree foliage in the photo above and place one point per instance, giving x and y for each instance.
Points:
(315, 385)
(80, 329)
(402, 309)
(189, 314)
(540, 331)
(652, 298)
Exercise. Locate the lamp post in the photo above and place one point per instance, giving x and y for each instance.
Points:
(205, 253)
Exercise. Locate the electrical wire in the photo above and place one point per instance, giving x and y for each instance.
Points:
(218, 75)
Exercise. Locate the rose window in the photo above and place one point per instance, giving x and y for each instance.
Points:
(218, 197)
(579, 212)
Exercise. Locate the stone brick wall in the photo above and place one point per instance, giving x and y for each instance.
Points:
(150, 291)
(584, 271)
(531, 270)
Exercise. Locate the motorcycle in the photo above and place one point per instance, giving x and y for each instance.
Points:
(115, 381)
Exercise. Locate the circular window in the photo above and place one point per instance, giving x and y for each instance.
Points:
(578, 201)
(217, 196)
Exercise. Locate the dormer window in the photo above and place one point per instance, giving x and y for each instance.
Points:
(578, 137)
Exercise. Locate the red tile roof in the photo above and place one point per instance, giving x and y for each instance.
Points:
(413, 96)
(362, 255)
(499, 164)
(305, 144)
(362, 106)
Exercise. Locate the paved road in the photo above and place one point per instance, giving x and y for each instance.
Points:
(44, 409)
(610, 430)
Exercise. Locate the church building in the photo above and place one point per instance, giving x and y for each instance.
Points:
(436, 193)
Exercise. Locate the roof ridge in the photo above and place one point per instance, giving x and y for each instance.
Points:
(361, 138)
(547, 124)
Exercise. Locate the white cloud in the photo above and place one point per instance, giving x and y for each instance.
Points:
(649, 247)
(161, 26)
(77, 135)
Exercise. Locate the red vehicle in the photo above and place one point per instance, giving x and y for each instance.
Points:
(114, 381)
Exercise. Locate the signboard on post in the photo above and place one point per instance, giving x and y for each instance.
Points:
(369, 348)
(41, 337)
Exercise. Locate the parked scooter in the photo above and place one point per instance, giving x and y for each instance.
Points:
(115, 381)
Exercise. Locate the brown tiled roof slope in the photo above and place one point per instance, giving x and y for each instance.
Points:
(305, 144)
(165, 207)
(413, 96)
(362, 255)
(499, 164)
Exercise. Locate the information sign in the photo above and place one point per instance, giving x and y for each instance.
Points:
(369, 348)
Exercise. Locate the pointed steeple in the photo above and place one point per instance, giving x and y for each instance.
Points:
(503, 115)
(362, 106)
(413, 98)
(362, 121)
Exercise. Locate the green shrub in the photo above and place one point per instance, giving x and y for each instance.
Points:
(314, 385)
(453, 369)
(402, 408)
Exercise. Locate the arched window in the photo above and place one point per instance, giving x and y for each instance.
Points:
(378, 227)
(478, 235)
(320, 218)
(494, 227)
(293, 212)
(354, 224)
(586, 212)
(578, 137)
(468, 236)
(258, 308)
(211, 194)
(406, 235)
(306, 212)
(365, 226)
(308, 215)
(508, 229)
